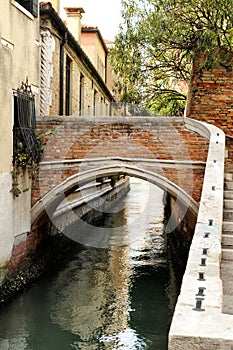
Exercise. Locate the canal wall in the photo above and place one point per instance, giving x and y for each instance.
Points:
(90, 202)
(179, 229)
(46, 243)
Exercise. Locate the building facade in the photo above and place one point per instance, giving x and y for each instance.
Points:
(19, 57)
(43, 71)
(97, 50)
(71, 84)
(95, 47)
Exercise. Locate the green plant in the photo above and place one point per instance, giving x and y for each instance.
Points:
(159, 41)
(26, 160)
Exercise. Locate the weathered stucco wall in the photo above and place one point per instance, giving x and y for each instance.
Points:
(19, 50)
(93, 47)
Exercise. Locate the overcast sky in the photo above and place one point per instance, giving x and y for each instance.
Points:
(105, 14)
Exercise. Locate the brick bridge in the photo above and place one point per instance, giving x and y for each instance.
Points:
(160, 150)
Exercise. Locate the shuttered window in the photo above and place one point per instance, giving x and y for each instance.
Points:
(30, 5)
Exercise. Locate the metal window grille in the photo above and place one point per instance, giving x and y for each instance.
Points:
(25, 123)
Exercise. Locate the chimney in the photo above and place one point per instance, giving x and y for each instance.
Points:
(56, 5)
(74, 16)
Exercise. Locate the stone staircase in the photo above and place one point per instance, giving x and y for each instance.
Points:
(227, 245)
(227, 230)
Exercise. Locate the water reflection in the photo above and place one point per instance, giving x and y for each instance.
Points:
(116, 298)
(95, 302)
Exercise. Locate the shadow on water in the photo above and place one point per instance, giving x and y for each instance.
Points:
(120, 297)
(150, 304)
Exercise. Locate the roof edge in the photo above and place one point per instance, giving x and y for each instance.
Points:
(46, 9)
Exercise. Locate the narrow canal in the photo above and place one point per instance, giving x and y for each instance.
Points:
(120, 297)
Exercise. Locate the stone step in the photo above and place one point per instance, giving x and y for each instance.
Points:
(228, 165)
(228, 194)
(227, 304)
(228, 203)
(227, 253)
(227, 233)
(228, 176)
(227, 226)
(228, 214)
(228, 185)
(226, 274)
(227, 240)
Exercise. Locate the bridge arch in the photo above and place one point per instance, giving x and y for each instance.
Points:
(50, 201)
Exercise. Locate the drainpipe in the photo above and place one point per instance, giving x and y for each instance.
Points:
(61, 97)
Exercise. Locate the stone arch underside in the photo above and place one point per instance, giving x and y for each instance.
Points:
(49, 202)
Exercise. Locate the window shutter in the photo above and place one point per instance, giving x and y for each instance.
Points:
(35, 8)
(30, 5)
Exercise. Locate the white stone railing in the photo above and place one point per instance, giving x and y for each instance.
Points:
(198, 321)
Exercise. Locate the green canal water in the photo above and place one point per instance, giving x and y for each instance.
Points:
(120, 297)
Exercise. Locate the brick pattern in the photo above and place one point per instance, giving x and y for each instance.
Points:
(229, 158)
(211, 97)
(21, 253)
(79, 138)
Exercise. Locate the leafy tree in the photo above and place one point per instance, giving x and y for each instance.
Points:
(158, 42)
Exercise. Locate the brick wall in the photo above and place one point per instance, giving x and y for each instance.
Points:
(159, 138)
(211, 97)
(23, 252)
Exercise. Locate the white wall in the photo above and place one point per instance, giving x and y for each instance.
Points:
(19, 59)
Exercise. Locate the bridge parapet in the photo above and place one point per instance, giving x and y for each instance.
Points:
(147, 137)
(198, 321)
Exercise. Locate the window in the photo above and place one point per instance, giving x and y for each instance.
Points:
(81, 93)
(30, 5)
(100, 66)
(101, 105)
(94, 102)
(68, 85)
